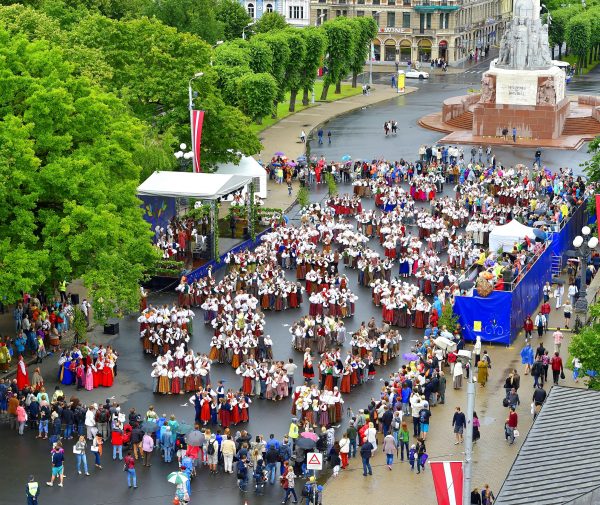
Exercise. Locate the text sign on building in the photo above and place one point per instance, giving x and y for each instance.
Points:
(516, 88)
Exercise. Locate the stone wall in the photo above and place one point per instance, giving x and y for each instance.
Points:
(531, 121)
(458, 105)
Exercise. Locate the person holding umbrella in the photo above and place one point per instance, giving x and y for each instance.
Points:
(181, 480)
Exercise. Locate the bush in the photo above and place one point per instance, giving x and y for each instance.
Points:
(303, 197)
(79, 325)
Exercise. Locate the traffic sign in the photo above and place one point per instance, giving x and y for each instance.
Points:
(314, 461)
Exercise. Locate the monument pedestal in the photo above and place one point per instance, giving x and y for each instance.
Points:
(532, 101)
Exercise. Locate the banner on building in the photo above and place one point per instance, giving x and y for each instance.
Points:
(448, 481)
(197, 119)
(598, 212)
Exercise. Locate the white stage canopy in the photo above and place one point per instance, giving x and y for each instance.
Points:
(505, 236)
(250, 167)
(192, 185)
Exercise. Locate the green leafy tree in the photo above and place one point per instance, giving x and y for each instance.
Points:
(68, 205)
(193, 16)
(339, 51)
(365, 29)
(152, 64)
(257, 93)
(233, 17)
(294, 74)
(578, 37)
(558, 28)
(231, 55)
(269, 22)
(261, 56)
(585, 345)
(315, 41)
(278, 42)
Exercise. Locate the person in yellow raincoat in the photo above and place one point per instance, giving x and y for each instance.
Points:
(482, 372)
(4, 358)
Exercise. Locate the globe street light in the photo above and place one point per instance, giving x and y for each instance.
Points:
(583, 248)
(184, 157)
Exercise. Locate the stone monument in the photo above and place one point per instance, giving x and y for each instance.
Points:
(522, 89)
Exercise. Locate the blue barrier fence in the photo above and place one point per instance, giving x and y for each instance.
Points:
(202, 271)
(499, 317)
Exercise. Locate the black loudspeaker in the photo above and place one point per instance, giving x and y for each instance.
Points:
(74, 299)
(111, 328)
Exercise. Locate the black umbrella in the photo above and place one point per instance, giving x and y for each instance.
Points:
(305, 443)
(539, 212)
(466, 285)
(558, 280)
(149, 427)
(184, 429)
(195, 438)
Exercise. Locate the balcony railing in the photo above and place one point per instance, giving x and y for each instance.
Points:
(436, 5)
(423, 31)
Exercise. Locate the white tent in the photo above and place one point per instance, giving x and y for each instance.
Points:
(192, 185)
(249, 167)
(506, 235)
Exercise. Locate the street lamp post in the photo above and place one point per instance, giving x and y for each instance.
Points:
(372, 50)
(244, 29)
(468, 465)
(219, 42)
(583, 248)
(183, 156)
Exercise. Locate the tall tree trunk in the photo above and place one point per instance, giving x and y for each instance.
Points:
(552, 52)
(559, 51)
(305, 97)
(293, 95)
(324, 92)
(274, 113)
(354, 79)
(338, 87)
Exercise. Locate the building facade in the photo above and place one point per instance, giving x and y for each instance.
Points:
(296, 12)
(421, 30)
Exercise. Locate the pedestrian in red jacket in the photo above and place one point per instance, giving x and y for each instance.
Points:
(116, 438)
(557, 367)
(528, 327)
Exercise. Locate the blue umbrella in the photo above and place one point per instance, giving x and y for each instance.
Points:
(410, 356)
(302, 157)
(346, 157)
(539, 234)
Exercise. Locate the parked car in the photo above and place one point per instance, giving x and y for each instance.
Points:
(417, 74)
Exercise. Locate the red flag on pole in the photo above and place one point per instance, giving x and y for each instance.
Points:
(197, 118)
(448, 481)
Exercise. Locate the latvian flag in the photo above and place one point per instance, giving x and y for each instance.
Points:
(448, 481)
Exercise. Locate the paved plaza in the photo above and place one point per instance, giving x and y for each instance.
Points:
(360, 135)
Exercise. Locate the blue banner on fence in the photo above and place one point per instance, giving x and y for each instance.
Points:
(158, 210)
(487, 317)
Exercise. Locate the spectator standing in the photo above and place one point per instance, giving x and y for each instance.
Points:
(459, 423)
(129, 467)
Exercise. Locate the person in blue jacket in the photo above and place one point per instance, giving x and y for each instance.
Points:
(527, 357)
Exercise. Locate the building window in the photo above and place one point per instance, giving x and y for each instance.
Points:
(251, 10)
(444, 20)
(360, 14)
(406, 20)
(391, 19)
(339, 13)
(321, 12)
(297, 12)
(391, 2)
(360, 2)
(269, 7)
(375, 2)
(428, 21)
(406, 3)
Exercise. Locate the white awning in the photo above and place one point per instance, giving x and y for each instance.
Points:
(192, 185)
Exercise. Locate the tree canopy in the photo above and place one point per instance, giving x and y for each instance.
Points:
(68, 181)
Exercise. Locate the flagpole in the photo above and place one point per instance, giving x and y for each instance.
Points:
(468, 465)
(191, 107)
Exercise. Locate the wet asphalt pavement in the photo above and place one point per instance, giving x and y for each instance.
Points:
(359, 134)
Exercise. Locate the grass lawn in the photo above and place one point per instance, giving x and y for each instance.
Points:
(282, 108)
(572, 59)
